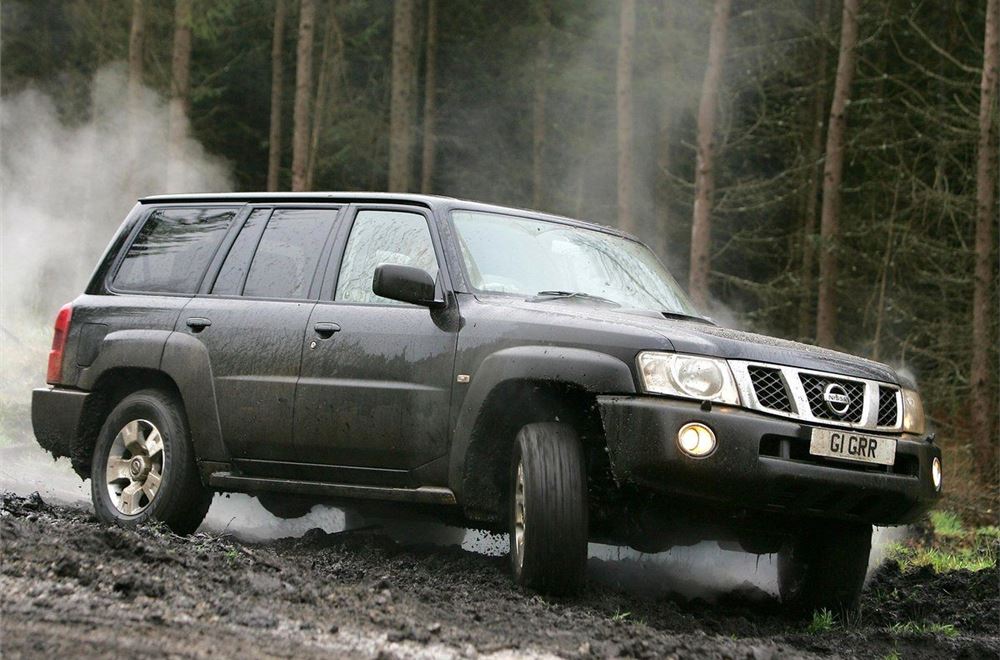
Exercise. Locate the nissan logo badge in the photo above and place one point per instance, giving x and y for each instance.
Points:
(836, 399)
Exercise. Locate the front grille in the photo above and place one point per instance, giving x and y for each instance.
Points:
(888, 408)
(806, 395)
(770, 388)
(814, 386)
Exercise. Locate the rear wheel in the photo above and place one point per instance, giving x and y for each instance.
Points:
(824, 566)
(144, 467)
(548, 509)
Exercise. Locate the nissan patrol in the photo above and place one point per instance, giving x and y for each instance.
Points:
(493, 367)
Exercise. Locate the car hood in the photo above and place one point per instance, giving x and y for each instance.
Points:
(702, 338)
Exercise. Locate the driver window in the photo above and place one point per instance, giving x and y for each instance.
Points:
(383, 237)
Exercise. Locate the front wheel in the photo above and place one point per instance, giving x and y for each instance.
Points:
(548, 509)
(824, 566)
(144, 467)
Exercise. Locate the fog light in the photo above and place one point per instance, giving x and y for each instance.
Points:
(936, 473)
(696, 440)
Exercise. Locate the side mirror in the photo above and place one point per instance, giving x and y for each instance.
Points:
(406, 284)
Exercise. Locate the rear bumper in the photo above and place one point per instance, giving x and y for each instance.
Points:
(56, 414)
(762, 463)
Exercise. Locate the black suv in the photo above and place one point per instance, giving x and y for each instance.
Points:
(493, 367)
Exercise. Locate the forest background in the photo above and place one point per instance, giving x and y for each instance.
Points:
(819, 170)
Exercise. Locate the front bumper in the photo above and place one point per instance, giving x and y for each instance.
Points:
(762, 463)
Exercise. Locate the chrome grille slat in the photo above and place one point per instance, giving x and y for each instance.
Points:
(798, 394)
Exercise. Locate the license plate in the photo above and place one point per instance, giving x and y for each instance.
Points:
(852, 446)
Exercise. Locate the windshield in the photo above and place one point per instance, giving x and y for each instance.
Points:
(523, 256)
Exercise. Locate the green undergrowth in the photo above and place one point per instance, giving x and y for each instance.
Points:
(951, 546)
(923, 628)
(822, 621)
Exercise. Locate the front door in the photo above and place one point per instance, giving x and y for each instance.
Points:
(374, 393)
(252, 323)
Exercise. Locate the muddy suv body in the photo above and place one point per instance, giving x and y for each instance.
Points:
(363, 348)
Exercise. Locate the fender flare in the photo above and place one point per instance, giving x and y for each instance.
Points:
(181, 358)
(139, 349)
(589, 370)
(186, 362)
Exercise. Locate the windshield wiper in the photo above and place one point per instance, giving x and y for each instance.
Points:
(576, 294)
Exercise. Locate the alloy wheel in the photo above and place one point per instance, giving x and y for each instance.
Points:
(135, 467)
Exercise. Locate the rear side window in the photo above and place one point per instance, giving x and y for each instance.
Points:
(173, 249)
(288, 253)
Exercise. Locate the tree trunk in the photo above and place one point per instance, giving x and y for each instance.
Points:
(664, 137)
(833, 169)
(136, 38)
(883, 279)
(303, 94)
(814, 174)
(538, 105)
(430, 91)
(402, 99)
(983, 302)
(626, 155)
(704, 177)
(277, 92)
(327, 69)
(663, 166)
(180, 96)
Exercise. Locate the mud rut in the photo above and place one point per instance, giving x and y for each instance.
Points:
(70, 586)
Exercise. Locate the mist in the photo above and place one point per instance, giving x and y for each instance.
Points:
(68, 184)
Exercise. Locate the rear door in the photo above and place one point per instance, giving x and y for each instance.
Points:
(374, 395)
(252, 320)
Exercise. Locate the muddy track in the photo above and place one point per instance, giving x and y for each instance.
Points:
(71, 586)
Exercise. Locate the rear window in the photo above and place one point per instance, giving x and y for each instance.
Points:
(173, 249)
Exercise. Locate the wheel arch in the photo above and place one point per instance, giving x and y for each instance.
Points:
(175, 363)
(107, 390)
(520, 386)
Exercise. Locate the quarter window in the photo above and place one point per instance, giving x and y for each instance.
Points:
(383, 237)
(173, 249)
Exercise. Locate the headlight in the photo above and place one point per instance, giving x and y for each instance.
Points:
(691, 376)
(913, 412)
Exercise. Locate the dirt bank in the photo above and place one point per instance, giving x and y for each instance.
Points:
(72, 586)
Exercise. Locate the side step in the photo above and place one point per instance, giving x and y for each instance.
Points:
(422, 495)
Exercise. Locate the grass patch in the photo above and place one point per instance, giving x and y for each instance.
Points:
(978, 558)
(953, 547)
(823, 621)
(947, 525)
(918, 628)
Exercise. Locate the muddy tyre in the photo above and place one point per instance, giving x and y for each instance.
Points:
(144, 467)
(824, 566)
(287, 507)
(548, 509)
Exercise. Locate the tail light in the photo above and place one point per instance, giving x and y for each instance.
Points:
(59, 335)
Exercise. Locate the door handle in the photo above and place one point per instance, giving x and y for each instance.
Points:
(326, 330)
(197, 324)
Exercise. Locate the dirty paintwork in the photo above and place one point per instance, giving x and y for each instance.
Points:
(392, 398)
